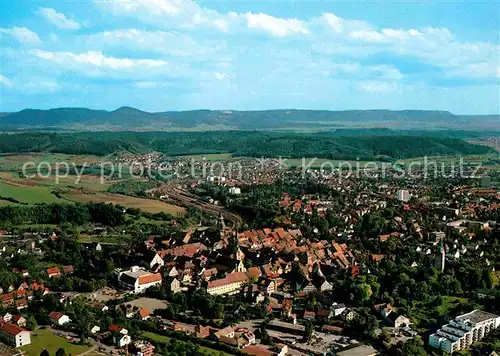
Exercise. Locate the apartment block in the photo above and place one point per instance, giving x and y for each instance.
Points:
(461, 332)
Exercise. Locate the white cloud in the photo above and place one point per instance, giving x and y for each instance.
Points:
(167, 13)
(22, 35)
(187, 14)
(367, 36)
(58, 19)
(5, 81)
(97, 59)
(479, 70)
(276, 26)
(221, 76)
(336, 25)
(150, 84)
(172, 43)
(373, 86)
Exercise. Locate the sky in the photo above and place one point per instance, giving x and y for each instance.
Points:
(160, 55)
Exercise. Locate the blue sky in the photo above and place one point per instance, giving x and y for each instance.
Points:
(161, 55)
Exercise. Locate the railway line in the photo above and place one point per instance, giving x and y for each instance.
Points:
(176, 194)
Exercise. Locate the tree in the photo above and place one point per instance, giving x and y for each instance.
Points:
(31, 323)
(309, 330)
(414, 347)
(264, 336)
(363, 292)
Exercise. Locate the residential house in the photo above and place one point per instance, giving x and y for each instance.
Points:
(142, 348)
(348, 315)
(19, 320)
(68, 269)
(144, 314)
(54, 272)
(156, 262)
(232, 283)
(269, 287)
(337, 309)
(398, 321)
(117, 329)
(59, 318)
(309, 288)
(175, 286)
(226, 332)
(139, 280)
(323, 314)
(121, 340)
(325, 286)
(309, 315)
(14, 335)
(7, 317)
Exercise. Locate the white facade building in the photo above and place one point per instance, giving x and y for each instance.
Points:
(14, 335)
(403, 195)
(232, 283)
(464, 330)
(234, 191)
(138, 279)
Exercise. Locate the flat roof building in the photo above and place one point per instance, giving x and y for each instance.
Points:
(461, 332)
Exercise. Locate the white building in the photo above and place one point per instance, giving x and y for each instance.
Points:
(122, 340)
(337, 309)
(234, 191)
(464, 330)
(403, 195)
(14, 335)
(156, 262)
(59, 318)
(139, 279)
(232, 283)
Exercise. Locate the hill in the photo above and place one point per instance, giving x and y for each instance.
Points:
(240, 143)
(127, 118)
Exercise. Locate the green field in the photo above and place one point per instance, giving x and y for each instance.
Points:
(206, 351)
(45, 339)
(28, 195)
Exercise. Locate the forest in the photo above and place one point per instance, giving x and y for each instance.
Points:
(241, 143)
(76, 214)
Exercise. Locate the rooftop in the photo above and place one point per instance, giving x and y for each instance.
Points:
(282, 324)
(11, 329)
(363, 350)
(478, 316)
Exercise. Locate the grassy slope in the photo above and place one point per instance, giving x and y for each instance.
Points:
(206, 351)
(45, 339)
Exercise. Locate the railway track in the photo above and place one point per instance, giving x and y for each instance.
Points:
(186, 198)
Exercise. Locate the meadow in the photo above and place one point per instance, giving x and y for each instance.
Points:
(147, 205)
(15, 189)
(206, 351)
(45, 339)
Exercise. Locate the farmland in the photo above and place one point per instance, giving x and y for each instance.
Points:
(147, 205)
(15, 189)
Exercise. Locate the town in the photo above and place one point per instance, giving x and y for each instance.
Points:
(294, 264)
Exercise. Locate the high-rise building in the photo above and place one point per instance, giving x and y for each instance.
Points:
(461, 332)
